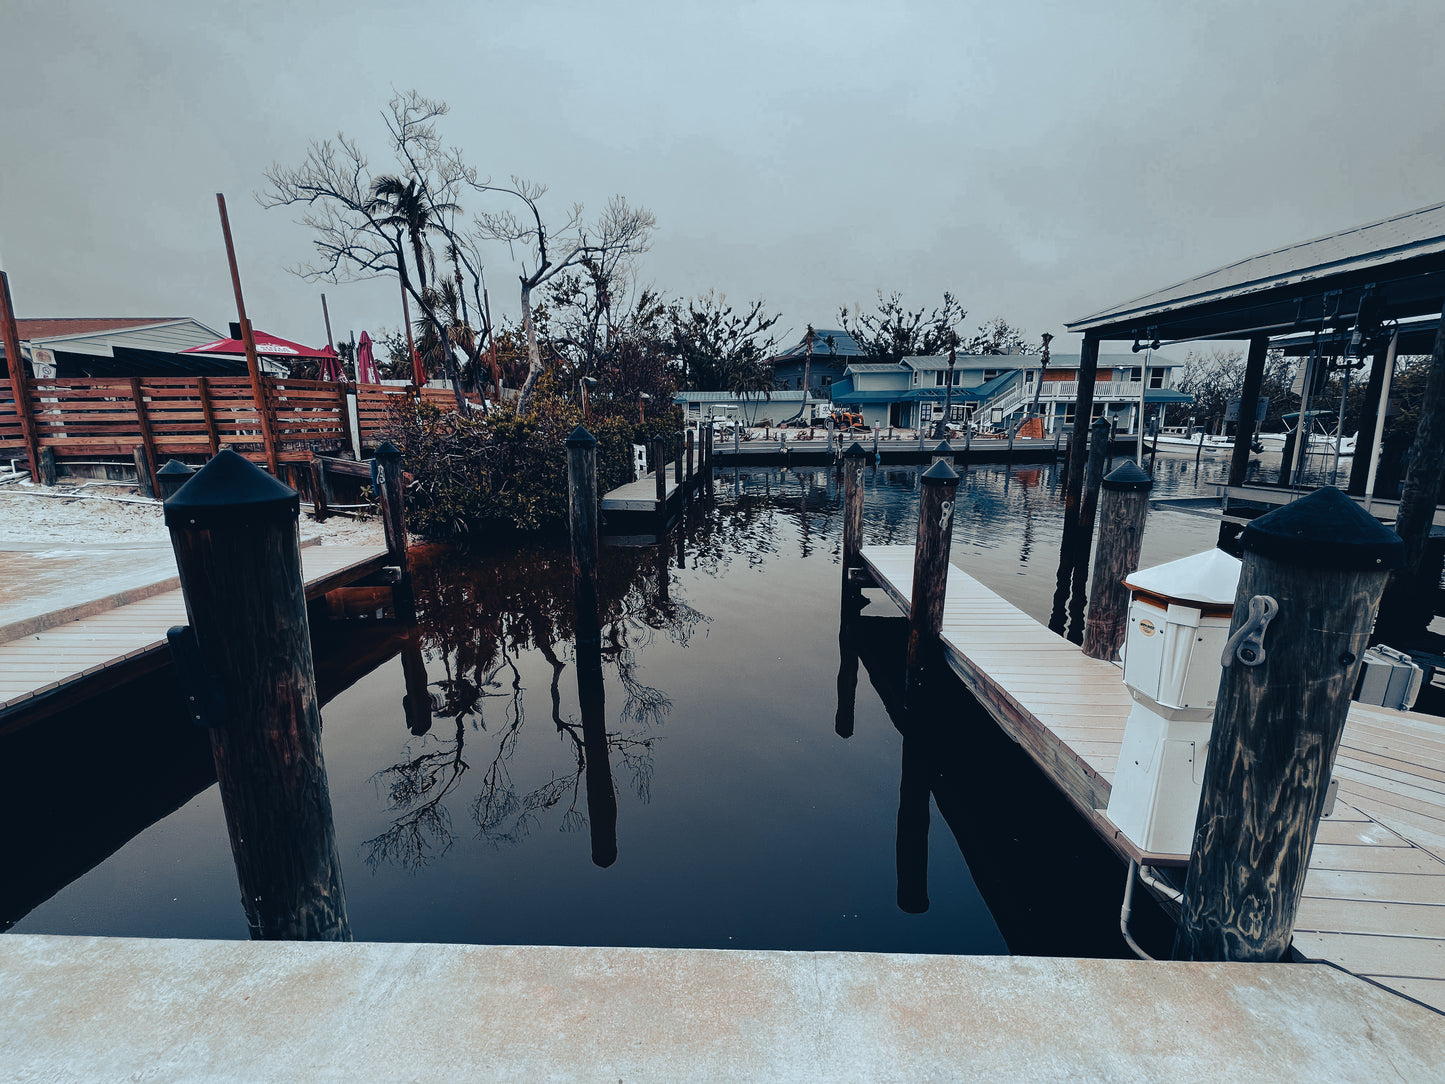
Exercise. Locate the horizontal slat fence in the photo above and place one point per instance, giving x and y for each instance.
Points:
(82, 417)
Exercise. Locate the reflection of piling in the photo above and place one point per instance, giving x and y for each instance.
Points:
(416, 703)
(847, 674)
(911, 847)
(234, 531)
(1320, 564)
(939, 485)
(390, 485)
(689, 475)
(1124, 506)
(601, 794)
(1083, 540)
(171, 477)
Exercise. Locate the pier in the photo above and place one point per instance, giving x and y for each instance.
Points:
(1374, 900)
(85, 627)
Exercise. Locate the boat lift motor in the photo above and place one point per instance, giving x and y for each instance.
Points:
(1179, 615)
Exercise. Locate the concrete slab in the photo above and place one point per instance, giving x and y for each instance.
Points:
(87, 1008)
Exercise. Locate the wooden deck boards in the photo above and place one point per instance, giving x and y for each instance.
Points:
(68, 654)
(638, 496)
(1374, 898)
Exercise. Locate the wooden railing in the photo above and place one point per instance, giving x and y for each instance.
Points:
(174, 416)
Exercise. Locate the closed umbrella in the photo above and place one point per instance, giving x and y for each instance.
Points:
(365, 362)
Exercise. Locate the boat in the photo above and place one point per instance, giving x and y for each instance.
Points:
(1189, 440)
(1320, 438)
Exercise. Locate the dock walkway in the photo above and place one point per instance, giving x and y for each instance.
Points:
(105, 627)
(1374, 898)
(639, 496)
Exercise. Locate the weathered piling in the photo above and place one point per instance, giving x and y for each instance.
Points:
(852, 510)
(1123, 507)
(48, 473)
(234, 532)
(171, 477)
(939, 486)
(582, 515)
(144, 478)
(1308, 592)
(390, 485)
(659, 474)
(320, 504)
(677, 459)
(1083, 540)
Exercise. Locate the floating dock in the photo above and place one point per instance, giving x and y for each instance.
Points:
(87, 627)
(1374, 898)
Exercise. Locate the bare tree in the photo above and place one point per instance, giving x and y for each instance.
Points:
(366, 225)
(714, 342)
(619, 233)
(893, 332)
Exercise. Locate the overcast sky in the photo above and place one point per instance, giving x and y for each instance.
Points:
(1040, 161)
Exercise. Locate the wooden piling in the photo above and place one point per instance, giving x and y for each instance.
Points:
(659, 474)
(852, 509)
(690, 474)
(144, 475)
(1124, 506)
(391, 494)
(171, 477)
(1073, 480)
(48, 474)
(1248, 407)
(234, 532)
(939, 486)
(319, 502)
(582, 511)
(1282, 703)
(1084, 535)
(677, 459)
(19, 378)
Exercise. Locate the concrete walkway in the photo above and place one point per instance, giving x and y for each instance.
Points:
(84, 1008)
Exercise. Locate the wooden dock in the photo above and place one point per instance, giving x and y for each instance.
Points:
(55, 658)
(639, 496)
(1374, 899)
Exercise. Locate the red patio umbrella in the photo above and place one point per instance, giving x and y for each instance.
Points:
(270, 345)
(365, 362)
(330, 367)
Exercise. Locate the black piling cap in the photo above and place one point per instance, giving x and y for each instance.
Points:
(231, 491)
(1128, 477)
(1101, 420)
(940, 474)
(855, 451)
(1324, 530)
(580, 438)
(944, 448)
(174, 467)
(388, 450)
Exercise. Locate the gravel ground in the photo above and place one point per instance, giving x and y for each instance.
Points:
(115, 514)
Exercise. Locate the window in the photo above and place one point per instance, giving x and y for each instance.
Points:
(1069, 413)
(1156, 378)
(827, 381)
(990, 374)
(1029, 375)
(925, 412)
(938, 378)
(1136, 374)
(958, 413)
(694, 408)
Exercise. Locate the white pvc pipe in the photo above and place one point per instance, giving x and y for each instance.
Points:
(1380, 420)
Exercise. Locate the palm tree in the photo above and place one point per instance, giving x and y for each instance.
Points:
(749, 380)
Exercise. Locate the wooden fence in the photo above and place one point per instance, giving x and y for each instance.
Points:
(95, 418)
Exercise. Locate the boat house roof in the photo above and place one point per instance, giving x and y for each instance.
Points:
(1394, 268)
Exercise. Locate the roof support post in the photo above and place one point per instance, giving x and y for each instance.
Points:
(1248, 407)
(1365, 437)
(1409, 598)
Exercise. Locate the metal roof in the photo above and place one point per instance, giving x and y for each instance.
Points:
(733, 397)
(843, 346)
(1313, 283)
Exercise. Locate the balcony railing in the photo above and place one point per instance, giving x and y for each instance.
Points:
(1110, 389)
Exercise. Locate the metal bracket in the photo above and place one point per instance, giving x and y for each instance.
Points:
(205, 702)
(1247, 643)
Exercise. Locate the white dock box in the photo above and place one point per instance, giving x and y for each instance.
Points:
(1389, 678)
(1179, 615)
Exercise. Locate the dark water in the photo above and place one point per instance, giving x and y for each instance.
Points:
(742, 817)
